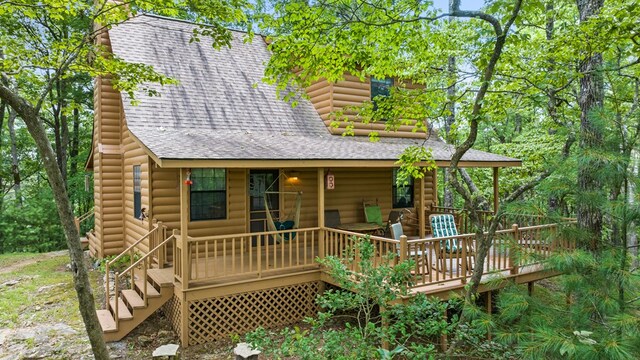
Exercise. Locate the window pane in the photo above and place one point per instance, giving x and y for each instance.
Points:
(380, 87)
(402, 195)
(208, 194)
(137, 196)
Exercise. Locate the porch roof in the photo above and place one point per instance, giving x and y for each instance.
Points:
(221, 110)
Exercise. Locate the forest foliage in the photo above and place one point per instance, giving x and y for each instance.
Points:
(554, 83)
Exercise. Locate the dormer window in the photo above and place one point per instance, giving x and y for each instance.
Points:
(380, 87)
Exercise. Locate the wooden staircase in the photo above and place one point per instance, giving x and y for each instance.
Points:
(131, 307)
(150, 278)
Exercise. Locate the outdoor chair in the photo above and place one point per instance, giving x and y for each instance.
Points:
(332, 218)
(423, 262)
(373, 214)
(443, 225)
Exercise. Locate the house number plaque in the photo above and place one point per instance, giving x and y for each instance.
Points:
(330, 181)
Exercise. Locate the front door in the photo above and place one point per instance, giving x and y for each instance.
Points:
(259, 182)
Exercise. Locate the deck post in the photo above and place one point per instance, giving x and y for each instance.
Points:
(464, 262)
(512, 258)
(162, 252)
(385, 326)
(496, 194)
(321, 239)
(422, 224)
(530, 285)
(184, 229)
(184, 320)
(403, 248)
(489, 311)
(443, 337)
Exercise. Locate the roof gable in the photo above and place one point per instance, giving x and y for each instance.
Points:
(221, 110)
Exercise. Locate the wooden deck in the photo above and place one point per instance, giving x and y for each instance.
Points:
(210, 278)
(217, 261)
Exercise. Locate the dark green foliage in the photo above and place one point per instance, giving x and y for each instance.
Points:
(590, 324)
(357, 318)
(33, 227)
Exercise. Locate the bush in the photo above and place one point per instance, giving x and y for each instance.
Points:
(366, 300)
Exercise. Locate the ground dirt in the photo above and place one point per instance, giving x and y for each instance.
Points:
(39, 318)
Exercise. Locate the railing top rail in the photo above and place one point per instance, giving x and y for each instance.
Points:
(498, 232)
(147, 255)
(155, 228)
(220, 237)
(372, 237)
(86, 215)
(442, 238)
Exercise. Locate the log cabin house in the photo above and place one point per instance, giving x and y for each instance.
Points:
(180, 182)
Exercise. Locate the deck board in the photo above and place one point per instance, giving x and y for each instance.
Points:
(162, 277)
(107, 323)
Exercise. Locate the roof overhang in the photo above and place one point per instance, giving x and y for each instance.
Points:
(326, 163)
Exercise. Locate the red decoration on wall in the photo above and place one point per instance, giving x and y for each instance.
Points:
(188, 180)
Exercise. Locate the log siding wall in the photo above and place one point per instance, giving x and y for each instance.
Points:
(134, 155)
(107, 162)
(345, 95)
(165, 207)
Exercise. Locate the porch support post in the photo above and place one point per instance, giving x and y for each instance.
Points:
(422, 223)
(184, 229)
(495, 190)
(321, 240)
(489, 311)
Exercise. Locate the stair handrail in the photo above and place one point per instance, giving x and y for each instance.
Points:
(145, 236)
(129, 250)
(83, 217)
(131, 270)
(135, 264)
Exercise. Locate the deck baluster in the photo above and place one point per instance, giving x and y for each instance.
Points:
(514, 249)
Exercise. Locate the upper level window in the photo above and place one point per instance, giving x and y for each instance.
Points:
(208, 194)
(137, 195)
(402, 195)
(380, 87)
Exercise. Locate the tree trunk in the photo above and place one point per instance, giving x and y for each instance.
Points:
(60, 128)
(74, 142)
(2, 114)
(552, 110)
(632, 236)
(15, 165)
(591, 99)
(86, 302)
(451, 117)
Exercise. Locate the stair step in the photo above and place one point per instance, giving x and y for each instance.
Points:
(107, 323)
(123, 310)
(133, 299)
(162, 277)
(151, 291)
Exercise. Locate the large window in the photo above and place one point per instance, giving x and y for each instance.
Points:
(402, 195)
(208, 194)
(137, 195)
(380, 87)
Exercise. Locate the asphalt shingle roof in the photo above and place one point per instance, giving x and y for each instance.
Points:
(221, 110)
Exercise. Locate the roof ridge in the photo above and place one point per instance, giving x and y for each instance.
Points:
(190, 22)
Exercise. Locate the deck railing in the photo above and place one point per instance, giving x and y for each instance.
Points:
(465, 226)
(435, 262)
(250, 254)
(206, 261)
(82, 218)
